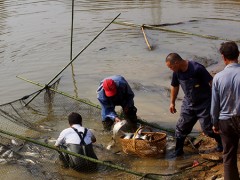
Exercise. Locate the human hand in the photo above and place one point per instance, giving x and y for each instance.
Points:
(215, 129)
(172, 108)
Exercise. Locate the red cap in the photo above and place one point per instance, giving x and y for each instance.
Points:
(109, 87)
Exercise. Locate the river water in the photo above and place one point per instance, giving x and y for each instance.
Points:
(36, 37)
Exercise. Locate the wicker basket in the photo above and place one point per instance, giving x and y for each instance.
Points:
(154, 145)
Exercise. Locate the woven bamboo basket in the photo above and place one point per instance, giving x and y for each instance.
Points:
(152, 146)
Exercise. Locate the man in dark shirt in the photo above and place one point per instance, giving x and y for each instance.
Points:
(196, 84)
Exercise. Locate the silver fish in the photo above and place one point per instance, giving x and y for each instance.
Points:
(14, 142)
(3, 161)
(6, 153)
(11, 154)
(26, 161)
(1, 149)
(117, 126)
(128, 135)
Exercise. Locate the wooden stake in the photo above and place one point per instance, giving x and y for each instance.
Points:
(146, 40)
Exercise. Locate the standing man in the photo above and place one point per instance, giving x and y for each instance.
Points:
(113, 91)
(225, 109)
(196, 84)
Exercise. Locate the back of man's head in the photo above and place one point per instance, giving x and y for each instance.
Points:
(229, 50)
(74, 118)
(173, 57)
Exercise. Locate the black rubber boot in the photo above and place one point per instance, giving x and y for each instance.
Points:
(218, 139)
(179, 147)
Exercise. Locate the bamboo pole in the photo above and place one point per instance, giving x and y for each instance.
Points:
(141, 121)
(224, 19)
(75, 154)
(146, 40)
(127, 170)
(71, 51)
(60, 92)
(171, 30)
(71, 46)
(73, 59)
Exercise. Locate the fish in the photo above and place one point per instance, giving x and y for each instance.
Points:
(117, 126)
(111, 144)
(14, 142)
(31, 154)
(139, 136)
(128, 135)
(3, 161)
(45, 128)
(6, 153)
(1, 149)
(26, 162)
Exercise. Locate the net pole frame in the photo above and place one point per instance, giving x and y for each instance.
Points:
(73, 59)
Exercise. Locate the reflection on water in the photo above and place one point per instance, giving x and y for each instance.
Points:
(35, 43)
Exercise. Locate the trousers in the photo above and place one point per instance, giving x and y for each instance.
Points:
(230, 133)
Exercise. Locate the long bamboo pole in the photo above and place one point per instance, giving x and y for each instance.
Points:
(60, 92)
(75, 154)
(71, 51)
(171, 30)
(141, 121)
(60, 151)
(71, 46)
(224, 19)
(73, 59)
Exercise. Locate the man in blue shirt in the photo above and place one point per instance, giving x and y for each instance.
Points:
(196, 84)
(225, 109)
(115, 91)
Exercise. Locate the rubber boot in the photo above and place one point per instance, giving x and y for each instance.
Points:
(179, 147)
(218, 139)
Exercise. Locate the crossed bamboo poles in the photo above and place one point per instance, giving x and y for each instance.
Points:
(72, 60)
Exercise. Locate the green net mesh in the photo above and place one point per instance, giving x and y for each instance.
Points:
(28, 134)
(40, 121)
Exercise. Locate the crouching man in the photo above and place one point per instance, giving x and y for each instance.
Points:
(77, 139)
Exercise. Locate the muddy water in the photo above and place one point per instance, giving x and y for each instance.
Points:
(35, 44)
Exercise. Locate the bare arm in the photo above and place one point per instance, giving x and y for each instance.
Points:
(93, 138)
(174, 93)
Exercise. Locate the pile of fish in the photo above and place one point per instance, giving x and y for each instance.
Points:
(28, 155)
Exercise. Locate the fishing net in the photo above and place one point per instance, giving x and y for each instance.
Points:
(28, 133)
